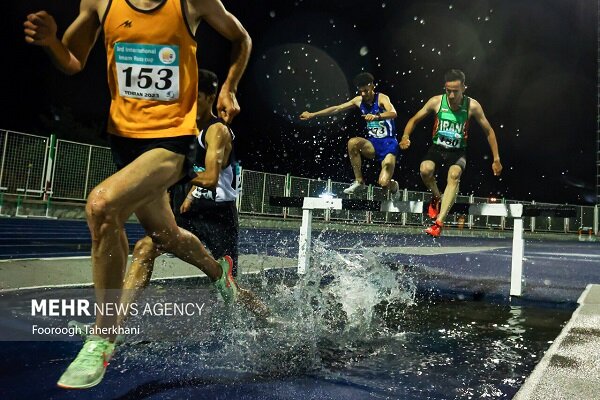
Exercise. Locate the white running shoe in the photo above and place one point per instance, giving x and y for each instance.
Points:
(354, 187)
(394, 190)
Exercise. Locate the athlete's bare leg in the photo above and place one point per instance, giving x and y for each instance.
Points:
(139, 272)
(427, 170)
(158, 221)
(358, 148)
(451, 191)
(111, 203)
(387, 171)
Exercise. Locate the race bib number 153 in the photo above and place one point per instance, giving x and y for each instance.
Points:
(147, 71)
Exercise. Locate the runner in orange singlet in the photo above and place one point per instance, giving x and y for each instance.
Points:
(152, 74)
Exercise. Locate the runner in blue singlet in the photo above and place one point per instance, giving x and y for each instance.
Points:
(380, 141)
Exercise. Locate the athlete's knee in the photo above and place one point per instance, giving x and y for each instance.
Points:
(454, 174)
(166, 239)
(426, 169)
(384, 181)
(101, 211)
(145, 249)
(354, 145)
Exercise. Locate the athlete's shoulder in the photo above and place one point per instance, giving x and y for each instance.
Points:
(356, 100)
(473, 104)
(383, 96)
(218, 131)
(434, 103)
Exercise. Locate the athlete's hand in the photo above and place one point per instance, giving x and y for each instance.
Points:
(306, 115)
(185, 206)
(370, 117)
(404, 143)
(497, 167)
(227, 105)
(40, 29)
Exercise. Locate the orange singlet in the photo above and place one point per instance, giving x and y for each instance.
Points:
(152, 70)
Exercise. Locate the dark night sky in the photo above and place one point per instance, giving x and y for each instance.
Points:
(531, 64)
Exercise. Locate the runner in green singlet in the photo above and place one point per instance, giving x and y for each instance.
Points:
(450, 132)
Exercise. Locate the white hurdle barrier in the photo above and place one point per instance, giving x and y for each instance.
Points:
(515, 211)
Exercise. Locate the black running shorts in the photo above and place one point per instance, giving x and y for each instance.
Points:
(446, 157)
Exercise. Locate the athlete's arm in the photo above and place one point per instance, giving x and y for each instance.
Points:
(389, 113)
(213, 12)
(477, 113)
(70, 54)
(332, 110)
(217, 139)
(429, 107)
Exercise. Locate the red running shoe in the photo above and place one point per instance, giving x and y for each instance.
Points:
(434, 208)
(435, 230)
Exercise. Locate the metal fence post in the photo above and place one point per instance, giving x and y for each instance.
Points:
(532, 224)
(3, 157)
(328, 190)
(369, 215)
(404, 198)
(596, 218)
(471, 201)
(87, 173)
(264, 190)
(503, 218)
(287, 188)
(49, 167)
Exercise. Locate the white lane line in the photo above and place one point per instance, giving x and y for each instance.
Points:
(426, 251)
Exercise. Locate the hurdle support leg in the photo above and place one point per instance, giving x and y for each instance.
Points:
(304, 249)
(518, 248)
(596, 219)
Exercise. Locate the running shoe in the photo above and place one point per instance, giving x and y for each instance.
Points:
(435, 230)
(226, 284)
(354, 187)
(434, 207)
(394, 190)
(89, 366)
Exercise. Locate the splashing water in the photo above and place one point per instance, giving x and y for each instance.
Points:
(340, 303)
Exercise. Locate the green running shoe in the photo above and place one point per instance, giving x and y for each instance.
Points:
(89, 366)
(226, 284)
